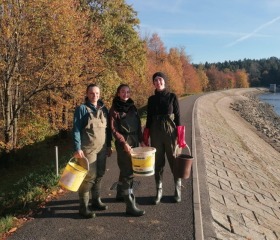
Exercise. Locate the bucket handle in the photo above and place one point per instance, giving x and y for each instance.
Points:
(87, 162)
(176, 148)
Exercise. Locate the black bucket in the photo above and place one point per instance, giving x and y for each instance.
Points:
(182, 165)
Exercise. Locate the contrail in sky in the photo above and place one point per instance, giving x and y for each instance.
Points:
(254, 32)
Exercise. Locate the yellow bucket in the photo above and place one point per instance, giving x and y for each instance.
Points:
(143, 161)
(73, 175)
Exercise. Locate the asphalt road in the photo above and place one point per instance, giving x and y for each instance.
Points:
(168, 220)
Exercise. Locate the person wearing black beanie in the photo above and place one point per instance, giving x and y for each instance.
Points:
(160, 74)
(162, 124)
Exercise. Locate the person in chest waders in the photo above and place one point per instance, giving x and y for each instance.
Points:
(163, 126)
(126, 128)
(92, 140)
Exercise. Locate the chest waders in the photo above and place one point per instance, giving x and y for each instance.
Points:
(93, 141)
(164, 137)
(128, 126)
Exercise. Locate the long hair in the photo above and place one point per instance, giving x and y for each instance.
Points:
(120, 87)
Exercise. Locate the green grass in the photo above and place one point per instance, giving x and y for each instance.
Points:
(6, 223)
(29, 177)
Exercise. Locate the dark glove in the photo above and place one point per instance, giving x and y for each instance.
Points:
(181, 136)
(146, 135)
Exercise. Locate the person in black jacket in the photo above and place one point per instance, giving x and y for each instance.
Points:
(126, 128)
(162, 126)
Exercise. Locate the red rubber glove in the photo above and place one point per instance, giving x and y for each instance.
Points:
(146, 135)
(181, 136)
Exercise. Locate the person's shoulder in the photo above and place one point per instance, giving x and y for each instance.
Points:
(152, 97)
(81, 107)
(172, 94)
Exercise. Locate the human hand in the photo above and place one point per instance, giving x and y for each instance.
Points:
(109, 151)
(127, 148)
(79, 154)
(146, 135)
(142, 144)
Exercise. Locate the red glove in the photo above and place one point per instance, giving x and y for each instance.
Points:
(181, 136)
(146, 135)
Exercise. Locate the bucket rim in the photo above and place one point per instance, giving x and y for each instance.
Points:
(87, 162)
(148, 151)
(73, 166)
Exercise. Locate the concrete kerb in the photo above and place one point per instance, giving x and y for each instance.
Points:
(201, 200)
(198, 224)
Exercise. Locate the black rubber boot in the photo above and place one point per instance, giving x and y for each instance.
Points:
(84, 191)
(131, 208)
(96, 202)
(159, 193)
(177, 194)
(84, 209)
(119, 195)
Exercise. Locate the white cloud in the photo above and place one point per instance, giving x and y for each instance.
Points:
(254, 33)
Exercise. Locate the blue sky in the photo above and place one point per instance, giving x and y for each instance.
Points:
(213, 30)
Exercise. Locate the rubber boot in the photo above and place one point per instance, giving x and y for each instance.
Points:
(84, 209)
(84, 191)
(131, 208)
(177, 194)
(119, 195)
(96, 202)
(159, 193)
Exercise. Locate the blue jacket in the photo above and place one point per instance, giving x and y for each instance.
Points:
(81, 116)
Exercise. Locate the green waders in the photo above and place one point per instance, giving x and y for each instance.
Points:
(94, 148)
(128, 126)
(163, 138)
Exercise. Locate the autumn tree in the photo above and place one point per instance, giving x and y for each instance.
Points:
(241, 79)
(203, 79)
(40, 58)
(123, 55)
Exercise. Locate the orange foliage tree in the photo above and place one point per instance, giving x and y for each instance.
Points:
(42, 45)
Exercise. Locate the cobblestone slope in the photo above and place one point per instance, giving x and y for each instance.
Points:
(243, 171)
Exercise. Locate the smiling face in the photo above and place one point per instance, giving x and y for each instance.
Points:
(159, 83)
(124, 93)
(93, 94)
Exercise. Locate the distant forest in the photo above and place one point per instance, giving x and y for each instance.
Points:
(260, 72)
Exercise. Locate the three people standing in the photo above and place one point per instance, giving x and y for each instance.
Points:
(93, 129)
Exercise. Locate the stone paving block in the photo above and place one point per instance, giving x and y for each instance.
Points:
(260, 191)
(221, 219)
(225, 182)
(231, 166)
(260, 205)
(253, 208)
(269, 223)
(219, 191)
(237, 188)
(222, 173)
(218, 198)
(244, 231)
(268, 233)
(267, 201)
(275, 195)
(212, 168)
(213, 180)
(221, 235)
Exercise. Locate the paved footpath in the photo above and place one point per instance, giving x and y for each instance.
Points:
(242, 172)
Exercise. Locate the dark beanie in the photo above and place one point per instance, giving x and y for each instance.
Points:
(159, 74)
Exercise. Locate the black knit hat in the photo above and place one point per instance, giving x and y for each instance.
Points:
(159, 74)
